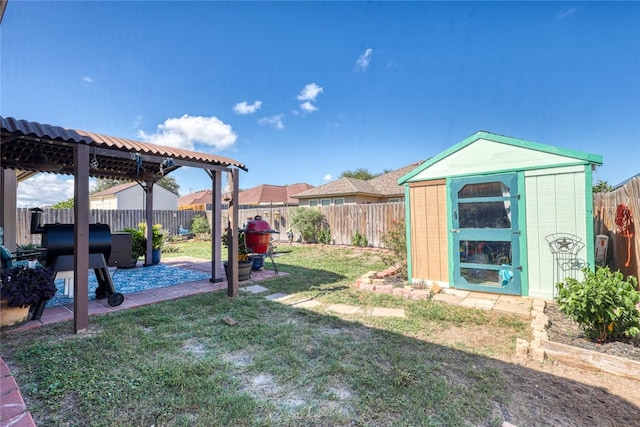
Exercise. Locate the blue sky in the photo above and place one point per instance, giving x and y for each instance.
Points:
(303, 91)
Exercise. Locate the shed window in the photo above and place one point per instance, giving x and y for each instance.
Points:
(313, 203)
(326, 202)
(338, 202)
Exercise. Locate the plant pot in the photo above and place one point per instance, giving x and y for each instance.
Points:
(12, 315)
(257, 262)
(244, 270)
(156, 254)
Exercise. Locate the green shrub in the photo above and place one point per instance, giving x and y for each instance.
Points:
(603, 304)
(324, 236)
(360, 240)
(396, 241)
(308, 222)
(200, 225)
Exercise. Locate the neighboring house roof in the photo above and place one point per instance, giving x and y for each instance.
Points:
(623, 183)
(113, 190)
(339, 187)
(485, 148)
(195, 198)
(266, 193)
(385, 185)
(262, 194)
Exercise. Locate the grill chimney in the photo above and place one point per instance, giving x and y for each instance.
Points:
(36, 215)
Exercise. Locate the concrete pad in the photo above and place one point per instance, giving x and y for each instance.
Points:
(511, 308)
(254, 289)
(484, 304)
(279, 296)
(456, 292)
(343, 308)
(447, 298)
(388, 312)
(484, 295)
(306, 304)
(516, 299)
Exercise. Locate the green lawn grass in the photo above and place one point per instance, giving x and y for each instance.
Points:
(178, 364)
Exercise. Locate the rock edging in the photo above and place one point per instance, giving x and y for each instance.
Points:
(377, 281)
(540, 347)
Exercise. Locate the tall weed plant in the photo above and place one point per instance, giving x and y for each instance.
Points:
(396, 241)
(603, 304)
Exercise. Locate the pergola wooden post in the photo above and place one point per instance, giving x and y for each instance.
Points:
(233, 246)
(216, 222)
(81, 239)
(148, 206)
(8, 187)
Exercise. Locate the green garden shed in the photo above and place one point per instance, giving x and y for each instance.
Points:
(500, 214)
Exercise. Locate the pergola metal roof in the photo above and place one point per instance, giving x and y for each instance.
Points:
(34, 147)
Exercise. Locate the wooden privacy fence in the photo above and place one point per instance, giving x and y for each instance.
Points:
(605, 206)
(116, 219)
(371, 220)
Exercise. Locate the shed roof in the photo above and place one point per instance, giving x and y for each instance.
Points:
(496, 155)
(31, 146)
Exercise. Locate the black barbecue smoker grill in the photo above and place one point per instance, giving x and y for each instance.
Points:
(58, 245)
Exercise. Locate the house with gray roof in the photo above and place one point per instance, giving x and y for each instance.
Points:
(381, 189)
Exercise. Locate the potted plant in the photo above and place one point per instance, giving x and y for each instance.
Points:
(139, 242)
(244, 262)
(157, 240)
(21, 287)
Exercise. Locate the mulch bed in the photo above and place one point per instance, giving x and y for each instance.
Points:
(565, 331)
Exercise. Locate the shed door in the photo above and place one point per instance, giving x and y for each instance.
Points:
(485, 233)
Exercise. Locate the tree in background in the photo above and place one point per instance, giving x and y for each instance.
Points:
(602, 187)
(67, 204)
(361, 173)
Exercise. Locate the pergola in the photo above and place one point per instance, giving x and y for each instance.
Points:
(27, 148)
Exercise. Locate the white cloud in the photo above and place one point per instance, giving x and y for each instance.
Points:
(327, 177)
(310, 92)
(275, 121)
(86, 80)
(187, 131)
(565, 13)
(308, 107)
(137, 121)
(244, 108)
(30, 194)
(363, 61)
